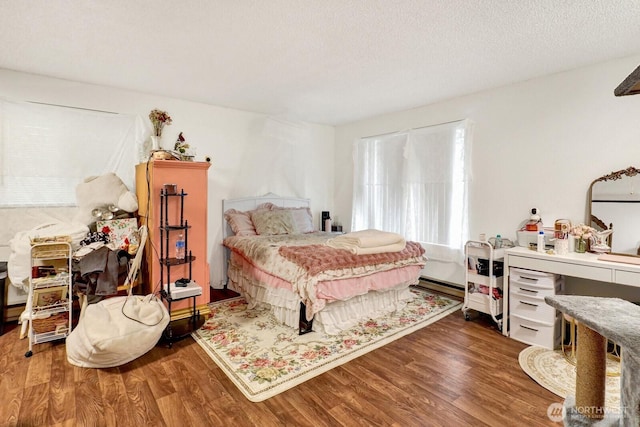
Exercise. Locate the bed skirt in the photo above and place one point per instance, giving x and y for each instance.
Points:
(335, 317)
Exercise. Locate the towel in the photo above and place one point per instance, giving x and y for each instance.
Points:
(370, 241)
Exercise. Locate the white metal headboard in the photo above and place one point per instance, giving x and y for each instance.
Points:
(249, 203)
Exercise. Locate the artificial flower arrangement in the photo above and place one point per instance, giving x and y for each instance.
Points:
(583, 233)
(158, 120)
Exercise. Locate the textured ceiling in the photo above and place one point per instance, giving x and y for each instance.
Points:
(322, 61)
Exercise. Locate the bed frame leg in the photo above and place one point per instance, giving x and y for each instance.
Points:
(305, 326)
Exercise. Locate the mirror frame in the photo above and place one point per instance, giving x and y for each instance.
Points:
(592, 219)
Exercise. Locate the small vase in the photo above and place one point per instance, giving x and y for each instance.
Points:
(155, 142)
(581, 246)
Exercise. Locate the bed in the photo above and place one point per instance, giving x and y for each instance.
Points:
(284, 264)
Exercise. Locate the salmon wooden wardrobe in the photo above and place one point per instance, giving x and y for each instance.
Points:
(190, 177)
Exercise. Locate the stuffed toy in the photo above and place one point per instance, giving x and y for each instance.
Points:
(100, 191)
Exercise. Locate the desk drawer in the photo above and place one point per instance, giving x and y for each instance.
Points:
(537, 279)
(533, 332)
(630, 278)
(531, 308)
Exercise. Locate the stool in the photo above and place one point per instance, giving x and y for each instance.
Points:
(569, 350)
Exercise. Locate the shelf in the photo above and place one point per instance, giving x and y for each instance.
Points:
(50, 251)
(175, 261)
(50, 282)
(49, 336)
(49, 306)
(484, 280)
(171, 293)
(52, 309)
(483, 292)
(179, 293)
(175, 227)
(182, 328)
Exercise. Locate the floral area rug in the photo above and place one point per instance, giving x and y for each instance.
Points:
(264, 358)
(552, 371)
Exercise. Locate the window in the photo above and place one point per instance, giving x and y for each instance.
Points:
(46, 151)
(415, 183)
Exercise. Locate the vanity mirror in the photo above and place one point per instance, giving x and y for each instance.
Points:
(614, 203)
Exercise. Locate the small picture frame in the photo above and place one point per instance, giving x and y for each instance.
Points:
(49, 296)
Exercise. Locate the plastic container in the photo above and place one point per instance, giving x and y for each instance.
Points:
(180, 247)
(498, 243)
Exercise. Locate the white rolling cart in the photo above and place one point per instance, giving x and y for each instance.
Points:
(49, 302)
(484, 279)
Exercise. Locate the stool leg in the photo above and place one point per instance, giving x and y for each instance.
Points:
(591, 372)
(573, 339)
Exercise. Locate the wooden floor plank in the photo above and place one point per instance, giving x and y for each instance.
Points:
(453, 372)
(39, 371)
(117, 410)
(62, 397)
(199, 406)
(144, 406)
(89, 409)
(34, 409)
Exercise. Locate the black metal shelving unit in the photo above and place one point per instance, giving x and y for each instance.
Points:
(179, 328)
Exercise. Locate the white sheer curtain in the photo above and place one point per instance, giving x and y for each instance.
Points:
(415, 183)
(46, 151)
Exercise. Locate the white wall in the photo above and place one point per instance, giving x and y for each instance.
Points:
(226, 135)
(536, 144)
(539, 144)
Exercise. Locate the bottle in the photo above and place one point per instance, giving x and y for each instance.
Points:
(327, 225)
(541, 241)
(180, 247)
(498, 243)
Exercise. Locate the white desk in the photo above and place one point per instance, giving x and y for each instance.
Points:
(585, 266)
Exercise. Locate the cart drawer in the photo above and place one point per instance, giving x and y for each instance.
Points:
(534, 332)
(531, 307)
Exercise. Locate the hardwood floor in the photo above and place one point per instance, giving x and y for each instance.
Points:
(451, 373)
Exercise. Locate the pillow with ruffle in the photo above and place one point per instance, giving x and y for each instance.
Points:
(267, 222)
(240, 222)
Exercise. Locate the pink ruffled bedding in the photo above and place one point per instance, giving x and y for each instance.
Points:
(320, 274)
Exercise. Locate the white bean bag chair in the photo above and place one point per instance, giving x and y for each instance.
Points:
(116, 331)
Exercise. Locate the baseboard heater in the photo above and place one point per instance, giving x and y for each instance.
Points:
(446, 287)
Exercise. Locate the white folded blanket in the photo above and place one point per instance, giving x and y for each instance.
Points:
(368, 242)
